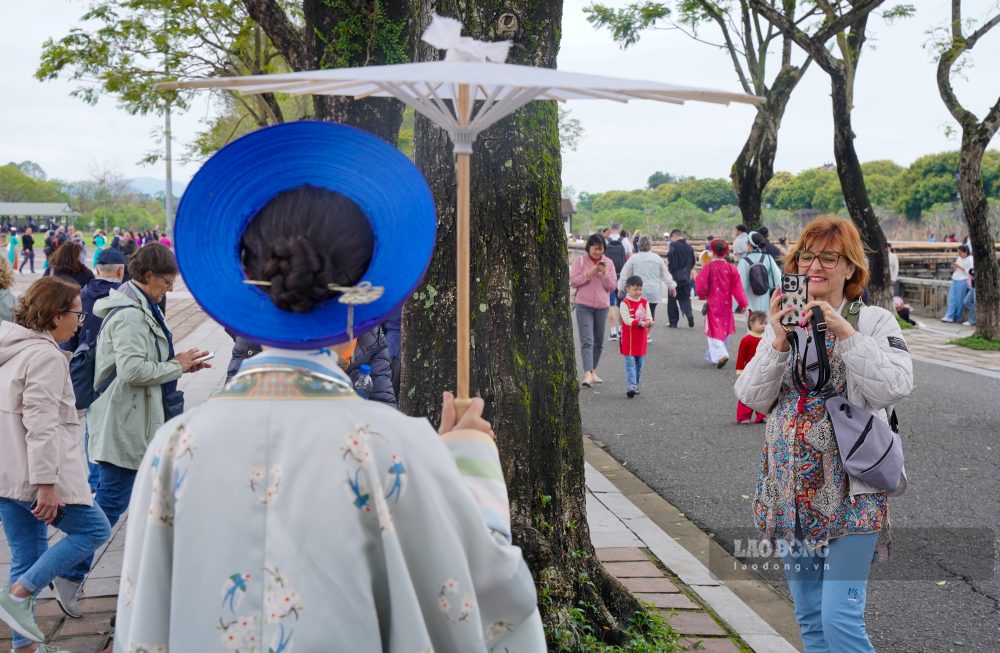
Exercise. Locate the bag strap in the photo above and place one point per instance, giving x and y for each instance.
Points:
(805, 385)
(851, 312)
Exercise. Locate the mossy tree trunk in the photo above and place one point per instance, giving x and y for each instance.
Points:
(342, 34)
(523, 359)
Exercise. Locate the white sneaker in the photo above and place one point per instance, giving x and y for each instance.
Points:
(968, 324)
(947, 319)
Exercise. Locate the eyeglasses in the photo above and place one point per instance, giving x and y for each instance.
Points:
(81, 316)
(827, 260)
(169, 282)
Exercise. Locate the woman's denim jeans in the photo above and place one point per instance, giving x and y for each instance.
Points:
(956, 300)
(32, 563)
(970, 303)
(830, 591)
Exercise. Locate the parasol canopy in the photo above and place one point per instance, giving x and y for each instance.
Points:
(465, 93)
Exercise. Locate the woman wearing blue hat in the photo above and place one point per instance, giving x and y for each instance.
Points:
(287, 511)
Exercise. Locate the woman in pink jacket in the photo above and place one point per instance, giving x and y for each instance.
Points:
(719, 284)
(593, 276)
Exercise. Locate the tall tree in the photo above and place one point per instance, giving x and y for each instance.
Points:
(748, 40)
(846, 22)
(343, 34)
(523, 360)
(976, 136)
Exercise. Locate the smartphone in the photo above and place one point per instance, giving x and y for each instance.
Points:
(60, 513)
(205, 358)
(794, 293)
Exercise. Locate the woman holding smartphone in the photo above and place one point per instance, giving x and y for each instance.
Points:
(837, 525)
(593, 276)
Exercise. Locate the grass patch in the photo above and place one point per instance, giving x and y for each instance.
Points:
(977, 342)
(646, 632)
(903, 324)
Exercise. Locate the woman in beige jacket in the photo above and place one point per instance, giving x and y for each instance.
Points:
(43, 474)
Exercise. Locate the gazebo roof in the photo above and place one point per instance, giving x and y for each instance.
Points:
(36, 209)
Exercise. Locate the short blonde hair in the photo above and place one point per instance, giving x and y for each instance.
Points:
(6, 274)
(829, 230)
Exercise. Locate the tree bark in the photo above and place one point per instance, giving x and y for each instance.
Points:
(976, 136)
(523, 359)
(970, 187)
(754, 166)
(343, 34)
(852, 183)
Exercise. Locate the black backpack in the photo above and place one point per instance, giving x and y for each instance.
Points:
(615, 250)
(760, 275)
(82, 368)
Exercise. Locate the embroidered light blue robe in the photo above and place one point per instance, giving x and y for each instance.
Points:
(286, 512)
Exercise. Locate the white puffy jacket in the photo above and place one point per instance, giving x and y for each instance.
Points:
(879, 370)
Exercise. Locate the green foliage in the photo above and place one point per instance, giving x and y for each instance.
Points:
(903, 324)
(707, 194)
(646, 631)
(659, 178)
(626, 24)
(135, 44)
(358, 34)
(978, 343)
(881, 167)
(800, 191)
(570, 130)
(16, 186)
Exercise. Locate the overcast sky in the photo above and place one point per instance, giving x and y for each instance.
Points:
(898, 114)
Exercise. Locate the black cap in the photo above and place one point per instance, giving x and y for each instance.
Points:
(111, 256)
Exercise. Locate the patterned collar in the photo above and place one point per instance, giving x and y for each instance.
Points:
(322, 362)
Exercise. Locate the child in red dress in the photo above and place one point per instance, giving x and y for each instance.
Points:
(636, 320)
(756, 322)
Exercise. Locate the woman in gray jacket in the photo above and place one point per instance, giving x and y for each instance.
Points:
(656, 279)
(43, 476)
(836, 525)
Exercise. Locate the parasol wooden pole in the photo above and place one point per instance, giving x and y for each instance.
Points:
(462, 270)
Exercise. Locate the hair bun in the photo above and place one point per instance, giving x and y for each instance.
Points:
(295, 269)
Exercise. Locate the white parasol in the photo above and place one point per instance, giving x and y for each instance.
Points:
(446, 92)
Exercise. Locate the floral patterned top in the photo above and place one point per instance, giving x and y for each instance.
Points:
(289, 512)
(801, 475)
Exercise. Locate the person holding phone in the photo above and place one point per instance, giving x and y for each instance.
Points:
(136, 349)
(593, 277)
(804, 495)
(43, 474)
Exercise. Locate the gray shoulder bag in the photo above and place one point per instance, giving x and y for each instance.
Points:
(870, 449)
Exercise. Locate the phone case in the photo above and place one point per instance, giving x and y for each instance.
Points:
(794, 293)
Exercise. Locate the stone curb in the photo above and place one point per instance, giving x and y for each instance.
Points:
(731, 609)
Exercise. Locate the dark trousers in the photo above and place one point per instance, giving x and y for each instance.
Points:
(28, 256)
(114, 490)
(682, 301)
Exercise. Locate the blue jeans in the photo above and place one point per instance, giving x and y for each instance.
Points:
(32, 563)
(956, 299)
(970, 303)
(114, 489)
(830, 594)
(633, 370)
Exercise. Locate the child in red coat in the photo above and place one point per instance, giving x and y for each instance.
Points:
(756, 322)
(636, 320)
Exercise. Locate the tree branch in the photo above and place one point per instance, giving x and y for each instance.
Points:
(978, 34)
(283, 34)
(716, 15)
